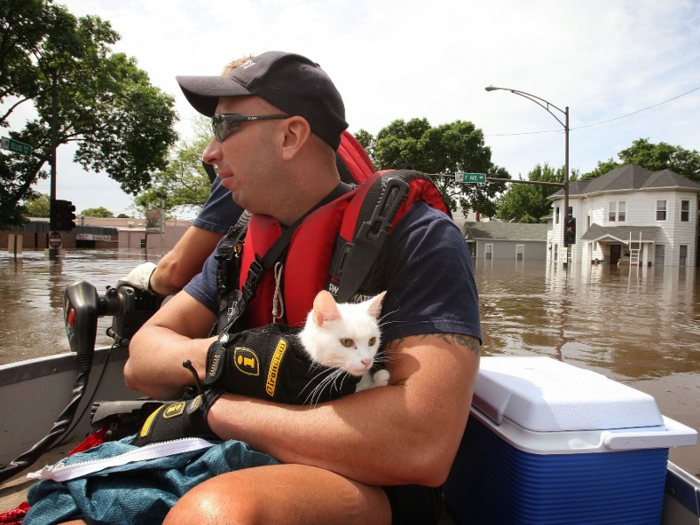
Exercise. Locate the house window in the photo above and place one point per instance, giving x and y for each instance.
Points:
(589, 220)
(659, 255)
(683, 260)
(519, 252)
(612, 211)
(488, 252)
(660, 210)
(556, 215)
(685, 211)
(571, 211)
(621, 211)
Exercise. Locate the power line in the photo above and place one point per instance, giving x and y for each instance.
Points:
(597, 123)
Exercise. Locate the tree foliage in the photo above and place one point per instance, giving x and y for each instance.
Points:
(184, 180)
(106, 104)
(37, 206)
(97, 212)
(446, 149)
(528, 202)
(654, 157)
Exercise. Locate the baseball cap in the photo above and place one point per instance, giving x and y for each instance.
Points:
(291, 82)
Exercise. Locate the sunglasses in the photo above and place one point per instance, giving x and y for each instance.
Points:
(224, 124)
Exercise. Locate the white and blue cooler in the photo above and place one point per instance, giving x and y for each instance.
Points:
(550, 443)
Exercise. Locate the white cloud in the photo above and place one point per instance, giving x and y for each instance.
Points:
(403, 59)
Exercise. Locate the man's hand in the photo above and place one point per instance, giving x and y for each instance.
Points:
(177, 420)
(271, 363)
(139, 277)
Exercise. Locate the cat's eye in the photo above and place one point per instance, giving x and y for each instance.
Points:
(372, 341)
(347, 343)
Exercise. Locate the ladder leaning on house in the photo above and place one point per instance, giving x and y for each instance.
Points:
(634, 252)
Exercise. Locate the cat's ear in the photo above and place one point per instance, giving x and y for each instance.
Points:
(375, 307)
(325, 308)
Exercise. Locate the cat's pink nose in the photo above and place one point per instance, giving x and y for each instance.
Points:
(367, 362)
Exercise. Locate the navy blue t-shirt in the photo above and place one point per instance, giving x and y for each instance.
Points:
(219, 212)
(429, 276)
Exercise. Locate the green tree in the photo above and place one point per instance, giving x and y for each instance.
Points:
(446, 149)
(184, 180)
(654, 157)
(38, 206)
(601, 169)
(367, 141)
(97, 212)
(123, 216)
(106, 104)
(528, 202)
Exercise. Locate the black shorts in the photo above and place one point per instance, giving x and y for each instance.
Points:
(414, 504)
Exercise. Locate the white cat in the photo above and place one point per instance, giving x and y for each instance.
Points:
(346, 336)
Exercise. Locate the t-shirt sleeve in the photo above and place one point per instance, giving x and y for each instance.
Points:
(203, 285)
(430, 278)
(220, 212)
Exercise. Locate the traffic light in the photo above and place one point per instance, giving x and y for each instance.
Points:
(570, 231)
(62, 217)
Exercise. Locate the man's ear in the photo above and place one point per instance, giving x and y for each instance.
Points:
(296, 134)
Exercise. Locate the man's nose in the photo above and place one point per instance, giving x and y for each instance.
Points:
(212, 153)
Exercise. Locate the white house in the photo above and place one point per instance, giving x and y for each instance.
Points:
(629, 215)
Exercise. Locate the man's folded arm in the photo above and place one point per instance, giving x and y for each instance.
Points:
(177, 332)
(405, 433)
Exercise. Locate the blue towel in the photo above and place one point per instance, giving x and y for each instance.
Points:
(136, 493)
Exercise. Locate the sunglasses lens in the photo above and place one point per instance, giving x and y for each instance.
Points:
(224, 125)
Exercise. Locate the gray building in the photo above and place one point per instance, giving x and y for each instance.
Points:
(506, 240)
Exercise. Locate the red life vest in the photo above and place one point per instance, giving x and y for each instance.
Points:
(311, 249)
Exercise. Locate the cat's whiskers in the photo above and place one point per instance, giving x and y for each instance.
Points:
(330, 379)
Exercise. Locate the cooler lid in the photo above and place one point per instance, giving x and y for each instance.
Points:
(545, 395)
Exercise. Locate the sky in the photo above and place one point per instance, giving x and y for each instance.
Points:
(405, 59)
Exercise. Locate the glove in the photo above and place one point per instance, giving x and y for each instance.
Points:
(180, 419)
(270, 363)
(139, 277)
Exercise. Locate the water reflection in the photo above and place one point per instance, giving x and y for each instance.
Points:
(640, 326)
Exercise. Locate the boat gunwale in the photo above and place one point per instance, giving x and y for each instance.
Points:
(53, 364)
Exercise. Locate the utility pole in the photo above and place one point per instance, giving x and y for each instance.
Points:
(54, 140)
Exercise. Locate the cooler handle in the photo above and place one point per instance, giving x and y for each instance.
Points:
(675, 434)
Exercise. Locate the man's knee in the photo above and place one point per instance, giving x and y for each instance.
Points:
(222, 500)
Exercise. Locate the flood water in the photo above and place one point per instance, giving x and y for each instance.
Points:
(639, 326)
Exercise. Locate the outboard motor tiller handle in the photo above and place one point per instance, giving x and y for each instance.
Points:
(80, 319)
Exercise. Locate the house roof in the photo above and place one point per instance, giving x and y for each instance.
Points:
(505, 231)
(629, 177)
(596, 232)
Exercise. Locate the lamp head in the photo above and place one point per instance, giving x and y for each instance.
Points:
(491, 88)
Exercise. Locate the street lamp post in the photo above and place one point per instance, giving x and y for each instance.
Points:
(546, 105)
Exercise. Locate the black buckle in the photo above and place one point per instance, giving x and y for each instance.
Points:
(255, 275)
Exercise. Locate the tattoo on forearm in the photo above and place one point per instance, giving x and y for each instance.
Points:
(465, 341)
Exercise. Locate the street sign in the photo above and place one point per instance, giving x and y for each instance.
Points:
(478, 178)
(16, 146)
(55, 241)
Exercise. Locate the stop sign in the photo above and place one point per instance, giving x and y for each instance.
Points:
(55, 240)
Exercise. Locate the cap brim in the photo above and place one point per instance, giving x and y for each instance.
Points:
(203, 93)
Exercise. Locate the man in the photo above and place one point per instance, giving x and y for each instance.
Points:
(368, 457)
